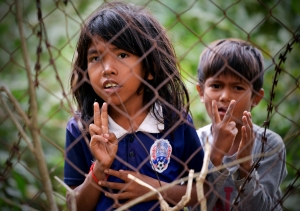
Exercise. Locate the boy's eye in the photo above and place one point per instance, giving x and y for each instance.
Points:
(123, 55)
(216, 86)
(239, 88)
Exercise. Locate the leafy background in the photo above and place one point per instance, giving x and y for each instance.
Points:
(191, 25)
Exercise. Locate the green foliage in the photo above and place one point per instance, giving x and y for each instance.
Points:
(191, 25)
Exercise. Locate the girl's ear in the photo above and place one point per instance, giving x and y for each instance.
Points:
(200, 92)
(258, 97)
(150, 77)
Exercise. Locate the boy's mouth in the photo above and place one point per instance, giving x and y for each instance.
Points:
(222, 110)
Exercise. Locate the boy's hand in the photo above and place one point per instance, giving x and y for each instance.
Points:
(129, 190)
(246, 144)
(224, 132)
(104, 145)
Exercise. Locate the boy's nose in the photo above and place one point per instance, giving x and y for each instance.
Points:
(225, 96)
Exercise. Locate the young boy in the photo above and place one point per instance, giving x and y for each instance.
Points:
(230, 75)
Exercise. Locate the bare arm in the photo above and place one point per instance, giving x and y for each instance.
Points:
(104, 146)
(224, 132)
(131, 190)
(263, 190)
(88, 193)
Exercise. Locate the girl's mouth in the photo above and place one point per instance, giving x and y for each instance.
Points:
(111, 86)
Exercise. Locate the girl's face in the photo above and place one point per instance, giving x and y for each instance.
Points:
(115, 74)
(225, 88)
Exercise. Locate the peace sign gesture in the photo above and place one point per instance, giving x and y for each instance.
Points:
(104, 145)
(224, 132)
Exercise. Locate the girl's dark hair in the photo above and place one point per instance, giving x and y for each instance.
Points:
(235, 57)
(135, 30)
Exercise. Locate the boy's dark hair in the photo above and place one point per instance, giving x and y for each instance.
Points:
(235, 57)
(135, 30)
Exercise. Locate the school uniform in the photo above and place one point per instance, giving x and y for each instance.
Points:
(147, 150)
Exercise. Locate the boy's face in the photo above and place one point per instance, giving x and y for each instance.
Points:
(225, 88)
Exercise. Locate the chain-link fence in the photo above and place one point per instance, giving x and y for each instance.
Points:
(38, 41)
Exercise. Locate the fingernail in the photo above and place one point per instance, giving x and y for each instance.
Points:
(105, 171)
(106, 135)
(99, 183)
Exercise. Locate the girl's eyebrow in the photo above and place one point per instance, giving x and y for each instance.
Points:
(92, 51)
(95, 51)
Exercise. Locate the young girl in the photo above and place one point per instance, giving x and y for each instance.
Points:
(127, 65)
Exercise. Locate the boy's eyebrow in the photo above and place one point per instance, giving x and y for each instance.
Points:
(235, 81)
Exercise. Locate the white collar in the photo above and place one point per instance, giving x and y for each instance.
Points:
(149, 125)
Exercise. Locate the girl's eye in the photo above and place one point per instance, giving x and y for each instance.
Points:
(123, 55)
(94, 59)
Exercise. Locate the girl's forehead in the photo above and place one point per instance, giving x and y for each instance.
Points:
(97, 41)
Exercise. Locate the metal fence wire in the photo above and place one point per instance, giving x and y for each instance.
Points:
(37, 48)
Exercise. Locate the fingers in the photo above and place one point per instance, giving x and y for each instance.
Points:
(95, 139)
(119, 196)
(248, 126)
(100, 120)
(111, 137)
(120, 174)
(113, 185)
(104, 118)
(215, 114)
(248, 118)
(247, 133)
(232, 127)
(229, 111)
(94, 130)
(97, 117)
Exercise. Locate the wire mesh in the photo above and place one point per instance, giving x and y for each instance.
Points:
(38, 43)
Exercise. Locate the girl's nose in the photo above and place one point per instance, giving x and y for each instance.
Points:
(107, 72)
(108, 68)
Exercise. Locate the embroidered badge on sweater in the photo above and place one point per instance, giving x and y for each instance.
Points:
(160, 153)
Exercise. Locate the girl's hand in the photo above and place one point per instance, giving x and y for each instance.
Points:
(224, 133)
(246, 144)
(129, 190)
(103, 145)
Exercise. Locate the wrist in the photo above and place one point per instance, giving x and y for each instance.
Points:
(246, 166)
(244, 169)
(97, 174)
(216, 158)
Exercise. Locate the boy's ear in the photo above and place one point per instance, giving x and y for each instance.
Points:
(258, 97)
(200, 92)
